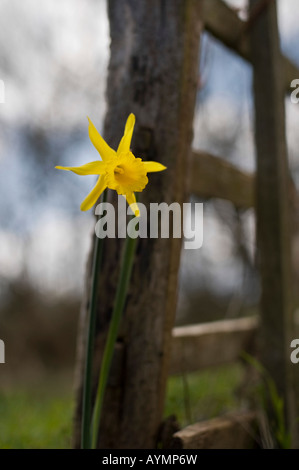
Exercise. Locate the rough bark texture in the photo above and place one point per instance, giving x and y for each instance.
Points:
(273, 207)
(152, 73)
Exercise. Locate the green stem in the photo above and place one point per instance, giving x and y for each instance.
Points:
(121, 294)
(92, 317)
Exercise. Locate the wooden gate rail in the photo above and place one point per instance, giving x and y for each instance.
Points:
(224, 24)
(231, 431)
(196, 347)
(214, 177)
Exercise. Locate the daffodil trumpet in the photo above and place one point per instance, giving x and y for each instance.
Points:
(119, 170)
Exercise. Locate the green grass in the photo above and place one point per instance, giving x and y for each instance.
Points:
(35, 420)
(203, 395)
(40, 416)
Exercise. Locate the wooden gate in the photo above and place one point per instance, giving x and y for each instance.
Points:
(271, 193)
(144, 81)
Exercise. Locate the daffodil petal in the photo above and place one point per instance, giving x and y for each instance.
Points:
(124, 145)
(92, 168)
(152, 167)
(131, 200)
(94, 194)
(102, 147)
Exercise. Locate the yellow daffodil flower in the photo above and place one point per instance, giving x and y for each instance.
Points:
(119, 170)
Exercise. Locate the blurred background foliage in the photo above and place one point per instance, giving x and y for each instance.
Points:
(53, 61)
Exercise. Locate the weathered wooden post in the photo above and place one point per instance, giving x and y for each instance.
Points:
(152, 73)
(273, 206)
